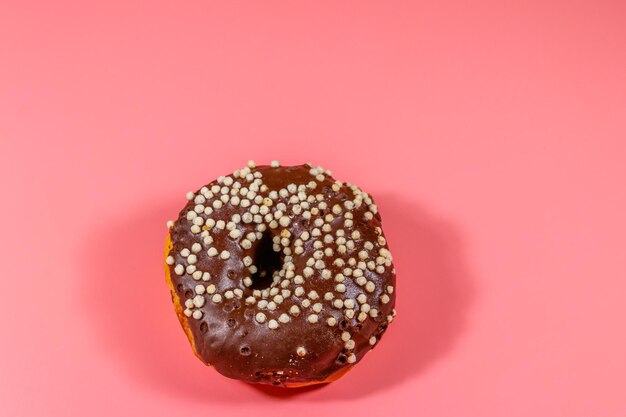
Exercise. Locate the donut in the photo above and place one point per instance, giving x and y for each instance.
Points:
(280, 275)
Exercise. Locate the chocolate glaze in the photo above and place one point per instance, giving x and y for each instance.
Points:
(228, 337)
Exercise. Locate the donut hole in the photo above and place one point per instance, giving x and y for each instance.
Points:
(267, 262)
(245, 350)
(231, 323)
(204, 327)
(341, 359)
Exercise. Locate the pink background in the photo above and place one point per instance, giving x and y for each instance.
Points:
(492, 134)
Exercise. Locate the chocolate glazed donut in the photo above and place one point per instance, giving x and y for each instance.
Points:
(280, 275)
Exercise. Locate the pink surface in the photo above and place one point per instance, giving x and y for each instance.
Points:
(492, 135)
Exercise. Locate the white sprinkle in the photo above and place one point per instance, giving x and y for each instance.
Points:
(272, 324)
(198, 301)
(260, 317)
(179, 269)
(331, 321)
(351, 358)
(370, 287)
(212, 252)
(189, 195)
(192, 259)
(384, 298)
(216, 298)
(373, 340)
(274, 164)
(349, 344)
(225, 254)
(294, 310)
(188, 312)
(169, 260)
(235, 233)
(312, 318)
(300, 351)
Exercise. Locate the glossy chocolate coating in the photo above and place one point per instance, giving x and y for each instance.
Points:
(229, 337)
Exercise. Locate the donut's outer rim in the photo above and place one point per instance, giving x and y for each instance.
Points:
(178, 306)
(184, 322)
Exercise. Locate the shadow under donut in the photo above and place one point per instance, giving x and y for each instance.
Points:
(434, 293)
(125, 295)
